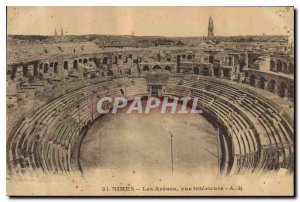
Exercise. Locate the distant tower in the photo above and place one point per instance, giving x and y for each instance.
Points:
(210, 28)
(55, 36)
(55, 33)
(62, 38)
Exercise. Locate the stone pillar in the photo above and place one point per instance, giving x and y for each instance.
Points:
(211, 72)
(291, 93)
(275, 65)
(60, 69)
(276, 89)
(266, 87)
(221, 72)
(257, 83)
(286, 94)
(30, 70)
(70, 66)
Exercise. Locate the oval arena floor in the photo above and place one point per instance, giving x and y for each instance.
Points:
(140, 144)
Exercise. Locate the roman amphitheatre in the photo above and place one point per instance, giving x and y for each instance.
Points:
(244, 85)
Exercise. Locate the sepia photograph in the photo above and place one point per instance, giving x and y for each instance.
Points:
(150, 101)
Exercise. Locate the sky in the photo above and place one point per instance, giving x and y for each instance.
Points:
(150, 21)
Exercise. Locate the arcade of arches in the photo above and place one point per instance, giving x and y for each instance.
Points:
(213, 66)
(282, 66)
(281, 88)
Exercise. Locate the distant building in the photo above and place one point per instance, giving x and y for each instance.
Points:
(179, 43)
(58, 38)
(163, 42)
(210, 28)
(117, 44)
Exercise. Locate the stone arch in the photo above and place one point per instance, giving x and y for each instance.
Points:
(262, 81)
(189, 57)
(156, 68)
(211, 59)
(85, 61)
(205, 71)
(66, 65)
(25, 70)
(110, 73)
(46, 66)
(104, 61)
(230, 61)
(226, 72)
(55, 67)
(272, 65)
(168, 68)
(35, 70)
(129, 71)
(217, 71)
(13, 72)
(75, 65)
(272, 85)
(279, 66)
(242, 64)
(252, 80)
(146, 68)
(93, 75)
(196, 70)
(282, 89)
